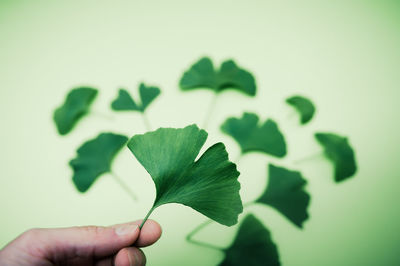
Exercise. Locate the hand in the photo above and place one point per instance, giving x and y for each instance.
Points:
(90, 245)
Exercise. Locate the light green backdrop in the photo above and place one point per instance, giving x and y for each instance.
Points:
(345, 55)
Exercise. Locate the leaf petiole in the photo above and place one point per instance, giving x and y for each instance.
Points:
(308, 157)
(124, 186)
(210, 111)
(147, 217)
(146, 122)
(199, 243)
(248, 204)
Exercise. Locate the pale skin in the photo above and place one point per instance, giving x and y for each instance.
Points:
(116, 245)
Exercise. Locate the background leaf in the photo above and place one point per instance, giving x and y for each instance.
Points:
(147, 94)
(203, 75)
(95, 158)
(304, 106)
(338, 150)
(124, 102)
(252, 246)
(75, 106)
(200, 75)
(285, 192)
(251, 137)
(208, 185)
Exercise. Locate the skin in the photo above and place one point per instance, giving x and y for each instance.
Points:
(116, 245)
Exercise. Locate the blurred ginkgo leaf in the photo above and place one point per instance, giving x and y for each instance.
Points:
(285, 192)
(252, 246)
(230, 76)
(338, 150)
(254, 137)
(75, 106)
(94, 158)
(208, 185)
(124, 101)
(304, 106)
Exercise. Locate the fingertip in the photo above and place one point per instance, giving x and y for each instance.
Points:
(149, 234)
(130, 256)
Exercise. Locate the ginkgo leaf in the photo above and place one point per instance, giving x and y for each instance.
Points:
(75, 106)
(254, 137)
(95, 158)
(285, 192)
(252, 246)
(208, 185)
(338, 150)
(147, 95)
(124, 101)
(304, 106)
(230, 76)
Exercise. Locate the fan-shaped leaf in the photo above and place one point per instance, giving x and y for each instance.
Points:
(285, 192)
(203, 75)
(253, 137)
(252, 246)
(208, 185)
(304, 106)
(338, 150)
(124, 101)
(95, 158)
(75, 106)
(147, 95)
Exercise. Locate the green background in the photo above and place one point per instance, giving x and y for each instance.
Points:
(345, 55)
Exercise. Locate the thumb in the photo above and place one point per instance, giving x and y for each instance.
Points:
(86, 241)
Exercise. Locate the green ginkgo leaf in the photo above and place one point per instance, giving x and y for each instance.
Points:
(124, 101)
(208, 185)
(252, 246)
(203, 75)
(95, 158)
(75, 106)
(338, 150)
(254, 137)
(304, 106)
(285, 192)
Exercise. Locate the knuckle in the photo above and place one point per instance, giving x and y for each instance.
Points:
(30, 235)
(94, 230)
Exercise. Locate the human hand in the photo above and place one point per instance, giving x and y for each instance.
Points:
(89, 245)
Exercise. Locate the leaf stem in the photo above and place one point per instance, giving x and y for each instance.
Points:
(210, 111)
(103, 115)
(247, 204)
(238, 158)
(308, 157)
(147, 217)
(199, 243)
(124, 186)
(146, 122)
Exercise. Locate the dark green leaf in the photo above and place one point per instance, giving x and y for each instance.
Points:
(304, 106)
(203, 75)
(253, 137)
(95, 158)
(285, 192)
(147, 95)
(76, 105)
(338, 150)
(208, 185)
(124, 101)
(252, 246)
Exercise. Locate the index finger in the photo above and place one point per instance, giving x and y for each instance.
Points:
(149, 234)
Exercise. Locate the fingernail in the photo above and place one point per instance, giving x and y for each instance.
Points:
(126, 229)
(133, 259)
